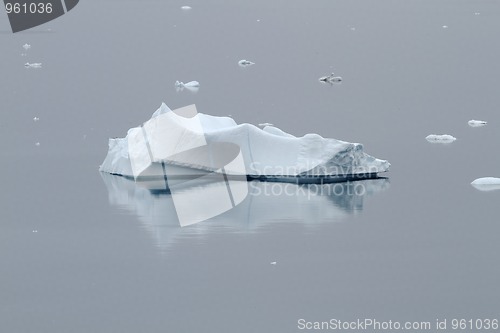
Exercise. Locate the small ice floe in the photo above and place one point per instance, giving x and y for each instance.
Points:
(33, 65)
(353, 29)
(26, 46)
(477, 13)
(273, 262)
(487, 184)
(265, 124)
(37, 144)
(192, 86)
(24, 54)
(245, 63)
(477, 123)
(35, 231)
(440, 138)
(185, 7)
(330, 79)
(445, 27)
(35, 119)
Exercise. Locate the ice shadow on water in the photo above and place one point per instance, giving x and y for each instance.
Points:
(265, 204)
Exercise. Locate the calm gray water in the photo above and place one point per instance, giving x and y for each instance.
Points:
(83, 252)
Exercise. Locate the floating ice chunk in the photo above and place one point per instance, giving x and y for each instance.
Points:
(445, 27)
(23, 54)
(441, 138)
(192, 84)
(35, 119)
(477, 13)
(245, 63)
(273, 262)
(330, 78)
(185, 7)
(26, 46)
(487, 184)
(37, 144)
(185, 140)
(477, 123)
(265, 124)
(33, 65)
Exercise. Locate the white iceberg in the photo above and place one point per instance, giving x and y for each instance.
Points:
(440, 138)
(477, 123)
(192, 86)
(26, 46)
(184, 143)
(245, 63)
(189, 84)
(185, 7)
(33, 65)
(487, 184)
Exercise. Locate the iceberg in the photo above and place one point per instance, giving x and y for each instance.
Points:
(441, 138)
(184, 144)
(190, 84)
(477, 123)
(487, 183)
(331, 78)
(33, 65)
(245, 63)
(26, 46)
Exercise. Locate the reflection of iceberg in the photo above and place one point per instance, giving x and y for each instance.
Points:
(171, 140)
(266, 203)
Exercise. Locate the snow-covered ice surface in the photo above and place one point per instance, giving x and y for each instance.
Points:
(487, 183)
(186, 140)
(440, 138)
(477, 123)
